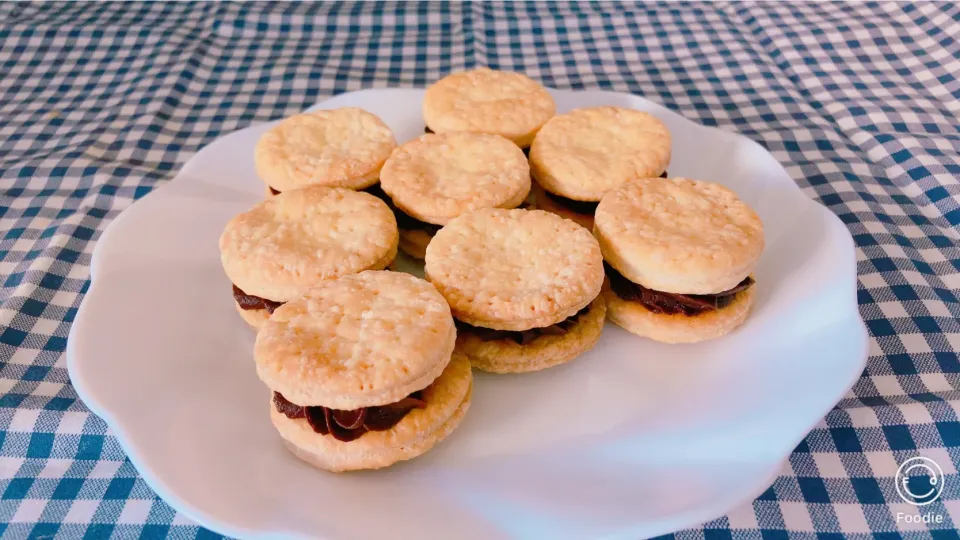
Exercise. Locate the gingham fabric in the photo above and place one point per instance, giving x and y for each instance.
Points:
(101, 103)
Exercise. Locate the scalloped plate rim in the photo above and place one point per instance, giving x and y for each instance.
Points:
(168, 493)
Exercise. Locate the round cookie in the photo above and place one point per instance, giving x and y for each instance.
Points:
(488, 101)
(448, 399)
(343, 147)
(585, 153)
(362, 340)
(514, 269)
(679, 235)
(544, 202)
(508, 356)
(678, 328)
(437, 177)
(292, 241)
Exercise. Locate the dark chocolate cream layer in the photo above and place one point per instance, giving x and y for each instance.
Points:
(350, 425)
(526, 151)
(522, 337)
(672, 303)
(404, 220)
(249, 301)
(580, 207)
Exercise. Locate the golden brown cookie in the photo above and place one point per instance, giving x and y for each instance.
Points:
(447, 400)
(514, 269)
(361, 340)
(486, 101)
(587, 152)
(512, 354)
(677, 328)
(290, 242)
(679, 235)
(343, 147)
(437, 177)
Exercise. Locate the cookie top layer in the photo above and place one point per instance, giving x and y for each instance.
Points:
(294, 240)
(361, 340)
(514, 269)
(487, 101)
(679, 235)
(336, 148)
(587, 152)
(438, 177)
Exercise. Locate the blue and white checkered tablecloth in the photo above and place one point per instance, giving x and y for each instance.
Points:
(100, 103)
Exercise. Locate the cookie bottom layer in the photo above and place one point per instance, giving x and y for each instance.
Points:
(253, 317)
(544, 202)
(414, 242)
(448, 399)
(679, 328)
(508, 356)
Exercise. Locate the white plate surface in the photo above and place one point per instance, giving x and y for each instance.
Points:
(631, 440)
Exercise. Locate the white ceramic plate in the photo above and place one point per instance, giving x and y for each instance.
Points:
(631, 440)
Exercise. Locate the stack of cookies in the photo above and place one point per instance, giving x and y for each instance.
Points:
(279, 249)
(579, 156)
(679, 258)
(368, 367)
(343, 148)
(363, 371)
(435, 178)
(523, 286)
(482, 100)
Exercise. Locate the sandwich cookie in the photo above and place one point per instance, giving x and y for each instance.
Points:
(363, 372)
(335, 148)
(487, 101)
(436, 178)
(523, 286)
(579, 156)
(679, 257)
(288, 243)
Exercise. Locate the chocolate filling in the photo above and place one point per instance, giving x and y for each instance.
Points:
(249, 301)
(404, 220)
(275, 192)
(522, 337)
(580, 207)
(526, 151)
(672, 303)
(349, 425)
